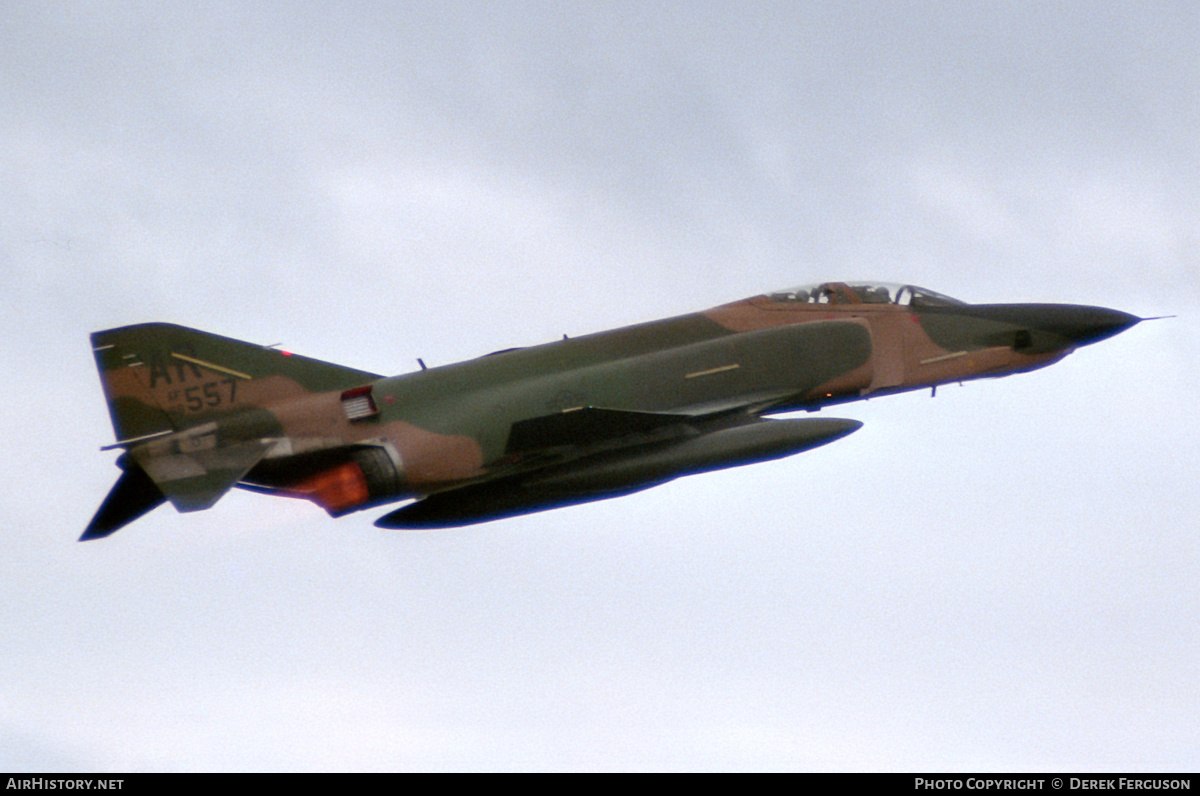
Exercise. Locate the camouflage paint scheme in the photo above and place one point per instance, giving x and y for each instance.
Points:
(529, 429)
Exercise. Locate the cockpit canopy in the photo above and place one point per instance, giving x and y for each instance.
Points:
(863, 293)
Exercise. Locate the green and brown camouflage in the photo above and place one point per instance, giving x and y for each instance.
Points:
(528, 429)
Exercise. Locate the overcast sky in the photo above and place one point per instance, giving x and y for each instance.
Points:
(1003, 577)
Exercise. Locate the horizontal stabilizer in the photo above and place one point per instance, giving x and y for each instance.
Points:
(197, 479)
(133, 495)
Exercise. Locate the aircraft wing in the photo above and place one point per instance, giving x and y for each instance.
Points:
(625, 455)
(587, 426)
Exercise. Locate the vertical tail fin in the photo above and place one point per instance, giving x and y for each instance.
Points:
(192, 410)
(158, 377)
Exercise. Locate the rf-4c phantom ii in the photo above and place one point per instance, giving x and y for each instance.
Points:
(537, 428)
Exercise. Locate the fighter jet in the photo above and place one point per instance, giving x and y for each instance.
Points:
(530, 429)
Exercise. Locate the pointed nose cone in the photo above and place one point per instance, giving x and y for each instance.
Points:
(1050, 327)
(1084, 325)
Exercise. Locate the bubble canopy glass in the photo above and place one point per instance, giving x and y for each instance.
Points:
(863, 293)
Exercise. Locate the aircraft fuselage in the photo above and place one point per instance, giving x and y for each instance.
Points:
(566, 422)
